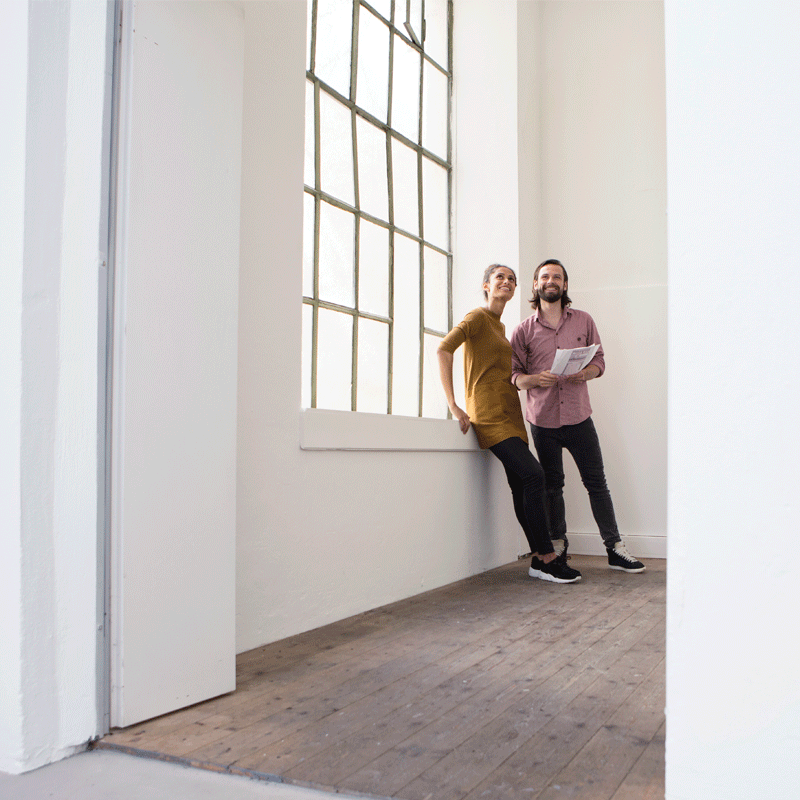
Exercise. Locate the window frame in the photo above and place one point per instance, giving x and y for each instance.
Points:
(396, 28)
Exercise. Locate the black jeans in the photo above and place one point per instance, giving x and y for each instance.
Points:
(526, 479)
(584, 446)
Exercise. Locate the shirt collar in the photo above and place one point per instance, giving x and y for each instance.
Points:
(568, 313)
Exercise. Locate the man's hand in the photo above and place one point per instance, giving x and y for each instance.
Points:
(546, 379)
(542, 379)
(586, 374)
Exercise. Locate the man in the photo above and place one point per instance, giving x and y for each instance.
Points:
(558, 407)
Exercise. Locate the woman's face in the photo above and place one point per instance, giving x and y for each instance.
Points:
(502, 283)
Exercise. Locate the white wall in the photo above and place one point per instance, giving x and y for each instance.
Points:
(326, 534)
(13, 101)
(593, 159)
(55, 60)
(733, 114)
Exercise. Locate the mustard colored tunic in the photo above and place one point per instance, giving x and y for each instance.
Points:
(492, 401)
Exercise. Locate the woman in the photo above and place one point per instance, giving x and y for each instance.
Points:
(494, 411)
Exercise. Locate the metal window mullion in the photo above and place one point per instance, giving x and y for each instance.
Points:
(390, 191)
(326, 304)
(312, 58)
(315, 304)
(335, 201)
(390, 354)
(357, 201)
(374, 317)
(421, 223)
(435, 64)
(450, 165)
(406, 38)
(354, 364)
(317, 201)
(376, 13)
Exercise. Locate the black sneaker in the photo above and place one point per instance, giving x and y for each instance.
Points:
(619, 558)
(555, 572)
(535, 567)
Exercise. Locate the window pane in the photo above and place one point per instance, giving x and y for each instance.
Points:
(373, 269)
(308, 174)
(434, 111)
(308, 315)
(434, 403)
(373, 185)
(336, 148)
(334, 34)
(405, 89)
(434, 203)
(334, 360)
(336, 255)
(405, 366)
(436, 31)
(373, 65)
(308, 244)
(373, 366)
(404, 187)
(436, 308)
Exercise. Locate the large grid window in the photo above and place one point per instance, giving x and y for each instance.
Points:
(377, 263)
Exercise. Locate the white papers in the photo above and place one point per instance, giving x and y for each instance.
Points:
(568, 362)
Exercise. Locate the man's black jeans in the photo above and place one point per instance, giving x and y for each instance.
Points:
(526, 479)
(583, 445)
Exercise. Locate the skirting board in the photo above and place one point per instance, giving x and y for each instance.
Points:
(590, 544)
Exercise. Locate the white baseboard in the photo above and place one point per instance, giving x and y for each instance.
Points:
(590, 544)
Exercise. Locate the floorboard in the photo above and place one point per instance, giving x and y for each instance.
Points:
(497, 686)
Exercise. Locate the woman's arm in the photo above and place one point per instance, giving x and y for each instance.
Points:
(446, 375)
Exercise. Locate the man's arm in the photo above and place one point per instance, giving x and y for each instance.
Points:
(597, 366)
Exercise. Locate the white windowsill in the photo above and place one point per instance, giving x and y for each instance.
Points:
(347, 430)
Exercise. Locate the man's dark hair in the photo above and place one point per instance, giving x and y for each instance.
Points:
(488, 274)
(565, 299)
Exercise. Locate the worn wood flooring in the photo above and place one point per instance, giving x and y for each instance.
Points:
(497, 686)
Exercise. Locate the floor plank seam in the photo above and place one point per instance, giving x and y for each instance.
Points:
(230, 769)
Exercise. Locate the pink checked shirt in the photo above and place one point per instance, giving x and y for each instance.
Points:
(534, 345)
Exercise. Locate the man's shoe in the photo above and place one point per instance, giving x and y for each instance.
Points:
(555, 572)
(536, 567)
(619, 558)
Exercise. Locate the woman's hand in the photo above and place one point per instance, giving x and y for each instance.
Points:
(462, 417)
(446, 374)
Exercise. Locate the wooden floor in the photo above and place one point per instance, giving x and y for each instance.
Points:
(498, 686)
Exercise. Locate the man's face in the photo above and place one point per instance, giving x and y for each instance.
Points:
(550, 284)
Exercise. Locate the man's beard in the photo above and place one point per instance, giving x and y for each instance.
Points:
(551, 294)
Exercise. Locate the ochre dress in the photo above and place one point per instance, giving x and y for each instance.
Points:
(492, 401)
